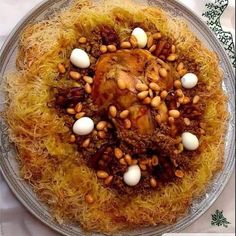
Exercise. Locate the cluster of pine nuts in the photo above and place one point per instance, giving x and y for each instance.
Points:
(144, 163)
(123, 115)
(76, 111)
(152, 46)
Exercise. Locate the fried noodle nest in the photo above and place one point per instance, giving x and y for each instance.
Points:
(51, 165)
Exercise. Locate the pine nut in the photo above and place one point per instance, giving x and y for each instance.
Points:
(150, 41)
(156, 35)
(153, 48)
(171, 120)
(75, 84)
(181, 100)
(179, 173)
(186, 100)
(172, 57)
(187, 121)
(173, 48)
(72, 138)
(174, 113)
(79, 115)
(102, 174)
(103, 49)
(86, 143)
(178, 139)
(101, 134)
(163, 72)
(78, 107)
(143, 167)
(108, 180)
(87, 88)
(61, 68)
(141, 87)
(180, 147)
(150, 163)
(123, 162)
(71, 111)
(133, 41)
(156, 101)
(94, 132)
(121, 84)
(147, 100)
(182, 72)
(142, 95)
(113, 111)
(124, 114)
(163, 108)
(177, 84)
(202, 125)
(89, 199)
(154, 86)
(88, 79)
(127, 123)
(158, 119)
(150, 93)
(118, 153)
(180, 66)
(101, 125)
(155, 160)
(134, 162)
(153, 183)
(125, 45)
(75, 75)
(82, 40)
(128, 159)
(163, 94)
(111, 48)
(179, 93)
(196, 99)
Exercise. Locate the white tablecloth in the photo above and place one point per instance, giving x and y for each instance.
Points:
(15, 220)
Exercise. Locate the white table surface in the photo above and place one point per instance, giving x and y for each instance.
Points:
(15, 220)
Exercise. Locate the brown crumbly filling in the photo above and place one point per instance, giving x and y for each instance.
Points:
(150, 139)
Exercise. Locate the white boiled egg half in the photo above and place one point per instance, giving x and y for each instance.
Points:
(141, 37)
(189, 80)
(132, 176)
(190, 141)
(83, 126)
(80, 58)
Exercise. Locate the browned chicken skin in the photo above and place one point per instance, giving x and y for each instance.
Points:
(130, 67)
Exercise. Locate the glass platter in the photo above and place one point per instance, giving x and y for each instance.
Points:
(9, 165)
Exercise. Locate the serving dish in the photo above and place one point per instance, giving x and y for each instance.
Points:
(9, 165)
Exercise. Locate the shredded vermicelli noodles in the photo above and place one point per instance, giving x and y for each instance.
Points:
(54, 167)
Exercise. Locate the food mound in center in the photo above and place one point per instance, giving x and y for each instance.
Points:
(116, 78)
(140, 113)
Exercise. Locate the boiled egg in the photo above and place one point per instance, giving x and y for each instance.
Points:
(189, 80)
(83, 126)
(190, 141)
(80, 58)
(141, 37)
(132, 176)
